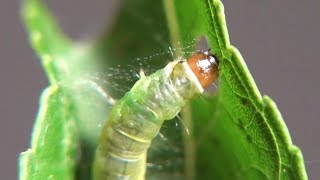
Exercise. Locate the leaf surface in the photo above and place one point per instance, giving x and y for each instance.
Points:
(244, 136)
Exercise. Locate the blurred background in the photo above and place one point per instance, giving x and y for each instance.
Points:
(279, 41)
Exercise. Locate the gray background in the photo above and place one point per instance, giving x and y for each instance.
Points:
(278, 39)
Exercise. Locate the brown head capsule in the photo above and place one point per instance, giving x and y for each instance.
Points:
(205, 66)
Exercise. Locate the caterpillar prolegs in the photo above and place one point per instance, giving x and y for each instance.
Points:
(137, 118)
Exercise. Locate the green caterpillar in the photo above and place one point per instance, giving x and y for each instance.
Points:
(137, 118)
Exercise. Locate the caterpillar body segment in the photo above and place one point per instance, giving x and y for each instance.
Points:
(137, 118)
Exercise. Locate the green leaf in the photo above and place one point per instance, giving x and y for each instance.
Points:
(54, 140)
(73, 108)
(244, 136)
(236, 134)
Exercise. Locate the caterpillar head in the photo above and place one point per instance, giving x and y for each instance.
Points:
(205, 67)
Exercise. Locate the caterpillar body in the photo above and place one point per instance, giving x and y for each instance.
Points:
(137, 118)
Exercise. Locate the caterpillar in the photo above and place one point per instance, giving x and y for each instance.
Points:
(137, 118)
